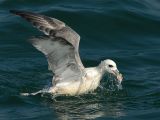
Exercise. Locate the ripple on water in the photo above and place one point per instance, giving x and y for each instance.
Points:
(125, 31)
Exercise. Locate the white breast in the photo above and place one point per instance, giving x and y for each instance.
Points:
(92, 78)
(90, 81)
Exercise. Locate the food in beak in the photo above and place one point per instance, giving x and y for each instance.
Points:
(118, 76)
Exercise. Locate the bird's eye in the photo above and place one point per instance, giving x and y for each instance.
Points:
(110, 66)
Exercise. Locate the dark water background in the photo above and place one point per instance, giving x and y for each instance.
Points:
(127, 31)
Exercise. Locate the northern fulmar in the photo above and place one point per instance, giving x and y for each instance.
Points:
(60, 45)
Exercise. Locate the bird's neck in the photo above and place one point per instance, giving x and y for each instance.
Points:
(101, 69)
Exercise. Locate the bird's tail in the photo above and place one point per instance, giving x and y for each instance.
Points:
(43, 91)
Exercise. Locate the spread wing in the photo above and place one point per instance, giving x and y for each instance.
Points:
(60, 45)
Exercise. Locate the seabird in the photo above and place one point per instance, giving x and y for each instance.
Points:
(60, 45)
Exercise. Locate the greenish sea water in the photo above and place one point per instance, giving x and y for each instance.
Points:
(127, 31)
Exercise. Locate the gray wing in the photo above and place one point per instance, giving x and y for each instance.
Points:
(60, 45)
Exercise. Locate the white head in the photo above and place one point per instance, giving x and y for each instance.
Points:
(111, 67)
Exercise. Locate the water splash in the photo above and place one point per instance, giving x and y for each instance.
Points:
(111, 83)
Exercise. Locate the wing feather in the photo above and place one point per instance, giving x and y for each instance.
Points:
(60, 46)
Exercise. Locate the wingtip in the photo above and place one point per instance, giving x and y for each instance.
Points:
(16, 12)
(13, 11)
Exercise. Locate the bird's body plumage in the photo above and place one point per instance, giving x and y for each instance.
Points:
(88, 82)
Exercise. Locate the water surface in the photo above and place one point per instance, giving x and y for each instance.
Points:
(126, 31)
